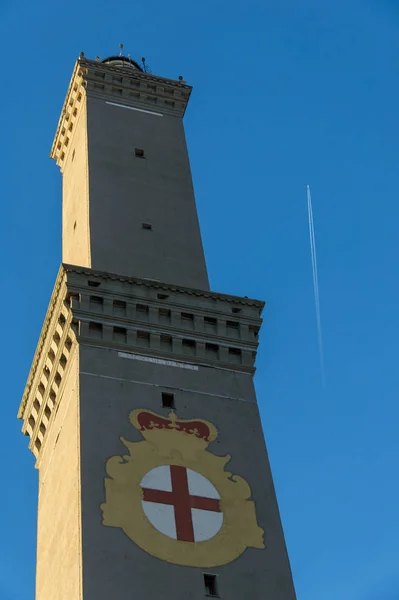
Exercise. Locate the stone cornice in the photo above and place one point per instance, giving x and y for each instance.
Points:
(43, 334)
(120, 85)
(260, 304)
(136, 316)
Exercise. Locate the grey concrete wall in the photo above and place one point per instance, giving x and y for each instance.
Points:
(113, 565)
(126, 191)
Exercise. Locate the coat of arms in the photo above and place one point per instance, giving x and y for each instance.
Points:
(174, 499)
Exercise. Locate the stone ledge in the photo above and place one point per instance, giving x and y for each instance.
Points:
(128, 314)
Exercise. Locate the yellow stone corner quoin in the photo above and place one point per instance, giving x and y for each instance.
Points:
(173, 497)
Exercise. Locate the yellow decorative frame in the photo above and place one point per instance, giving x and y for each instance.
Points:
(123, 506)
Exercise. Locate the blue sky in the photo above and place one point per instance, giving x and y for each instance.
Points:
(286, 93)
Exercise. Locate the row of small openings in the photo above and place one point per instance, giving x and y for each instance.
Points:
(47, 414)
(235, 309)
(165, 314)
(187, 319)
(143, 338)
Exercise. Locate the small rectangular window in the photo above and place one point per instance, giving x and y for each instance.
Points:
(146, 226)
(164, 315)
(212, 351)
(95, 329)
(210, 324)
(119, 307)
(209, 321)
(232, 324)
(168, 400)
(210, 585)
(235, 351)
(142, 308)
(162, 296)
(143, 339)
(166, 343)
(93, 283)
(120, 334)
(236, 310)
(96, 300)
(139, 152)
(188, 346)
(254, 331)
(235, 355)
(187, 317)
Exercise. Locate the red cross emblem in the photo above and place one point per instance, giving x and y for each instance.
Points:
(181, 503)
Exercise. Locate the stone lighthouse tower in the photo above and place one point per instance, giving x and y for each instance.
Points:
(154, 481)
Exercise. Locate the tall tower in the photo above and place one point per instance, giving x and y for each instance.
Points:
(154, 480)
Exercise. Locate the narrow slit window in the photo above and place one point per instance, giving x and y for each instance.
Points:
(147, 226)
(168, 400)
(139, 152)
(210, 585)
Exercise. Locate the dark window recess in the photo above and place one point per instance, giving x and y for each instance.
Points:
(139, 152)
(187, 317)
(162, 296)
(254, 331)
(146, 226)
(236, 310)
(93, 283)
(188, 347)
(51, 355)
(143, 335)
(96, 300)
(234, 351)
(232, 324)
(210, 321)
(62, 320)
(164, 315)
(63, 361)
(120, 334)
(212, 348)
(95, 329)
(68, 343)
(119, 304)
(47, 412)
(189, 343)
(142, 308)
(210, 585)
(168, 400)
(166, 343)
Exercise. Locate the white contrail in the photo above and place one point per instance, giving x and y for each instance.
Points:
(315, 283)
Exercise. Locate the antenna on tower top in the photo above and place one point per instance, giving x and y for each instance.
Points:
(120, 49)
